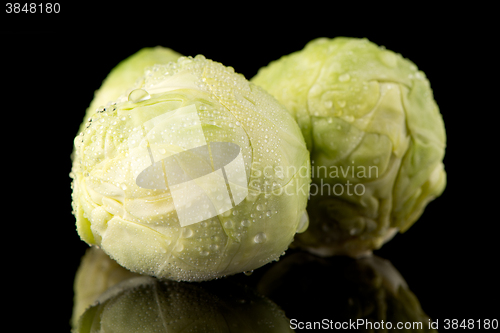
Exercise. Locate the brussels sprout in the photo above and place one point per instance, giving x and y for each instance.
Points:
(192, 174)
(146, 304)
(366, 291)
(376, 138)
(124, 75)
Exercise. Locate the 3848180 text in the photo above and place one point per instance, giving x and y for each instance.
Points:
(483, 324)
(32, 8)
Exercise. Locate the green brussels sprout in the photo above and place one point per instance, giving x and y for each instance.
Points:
(366, 291)
(192, 174)
(376, 138)
(145, 304)
(124, 75)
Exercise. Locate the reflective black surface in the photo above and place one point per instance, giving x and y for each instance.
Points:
(327, 293)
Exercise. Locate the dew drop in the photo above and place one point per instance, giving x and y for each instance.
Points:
(162, 151)
(344, 77)
(123, 186)
(388, 58)
(248, 273)
(260, 238)
(245, 223)
(186, 233)
(349, 118)
(179, 247)
(260, 207)
(228, 224)
(138, 95)
(419, 75)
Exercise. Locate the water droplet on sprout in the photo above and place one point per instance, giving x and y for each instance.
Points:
(260, 238)
(138, 95)
(344, 77)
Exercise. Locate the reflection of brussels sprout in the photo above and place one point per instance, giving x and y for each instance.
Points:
(376, 139)
(124, 75)
(145, 304)
(193, 174)
(367, 289)
(97, 273)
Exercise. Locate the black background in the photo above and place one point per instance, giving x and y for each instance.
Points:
(52, 64)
